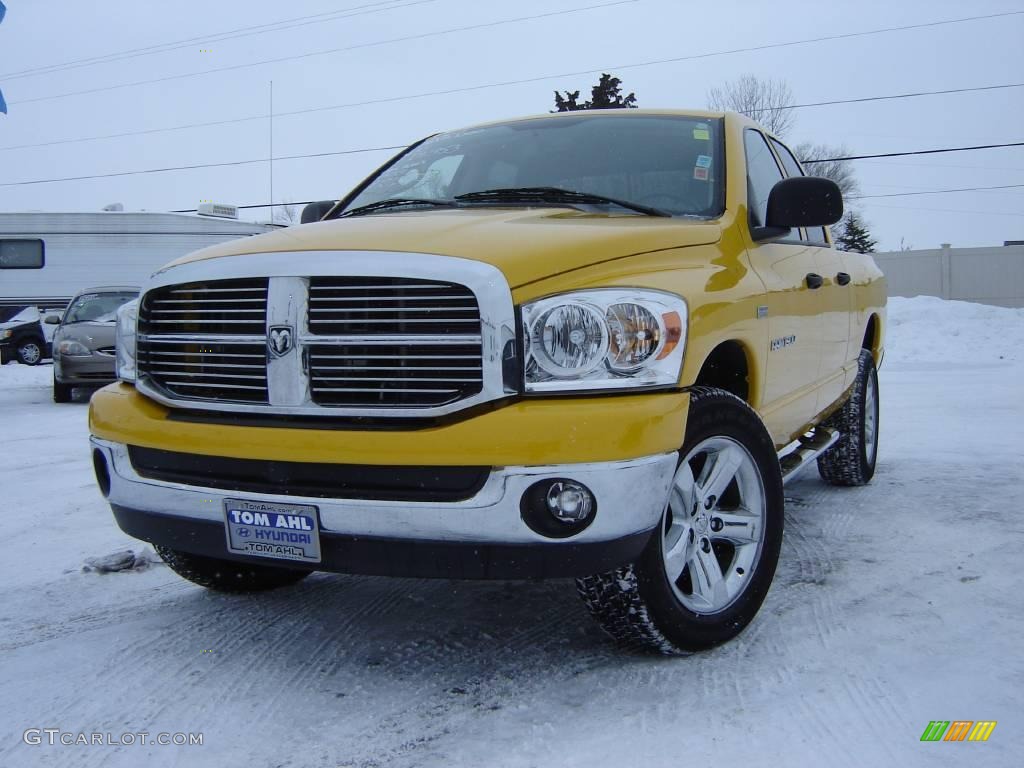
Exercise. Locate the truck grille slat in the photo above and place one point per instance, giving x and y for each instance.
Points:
(366, 342)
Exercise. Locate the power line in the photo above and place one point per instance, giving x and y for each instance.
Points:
(232, 121)
(325, 52)
(930, 210)
(916, 152)
(902, 96)
(937, 191)
(397, 147)
(197, 166)
(523, 81)
(230, 34)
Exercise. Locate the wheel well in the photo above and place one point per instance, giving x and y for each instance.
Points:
(871, 334)
(727, 368)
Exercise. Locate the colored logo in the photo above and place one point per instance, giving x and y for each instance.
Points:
(958, 730)
(280, 340)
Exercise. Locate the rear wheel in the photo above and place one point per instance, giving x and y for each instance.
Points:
(851, 461)
(30, 352)
(708, 567)
(227, 575)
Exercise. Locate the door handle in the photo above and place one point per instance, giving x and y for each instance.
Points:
(843, 278)
(814, 281)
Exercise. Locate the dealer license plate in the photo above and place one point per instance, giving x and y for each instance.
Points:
(272, 530)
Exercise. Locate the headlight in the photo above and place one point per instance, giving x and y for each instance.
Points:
(604, 339)
(72, 348)
(6, 333)
(127, 320)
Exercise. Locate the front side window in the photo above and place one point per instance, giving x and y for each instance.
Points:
(21, 254)
(96, 307)
(672, 163)
(762, 174)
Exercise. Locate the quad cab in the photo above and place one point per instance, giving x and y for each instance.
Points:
(590, 345)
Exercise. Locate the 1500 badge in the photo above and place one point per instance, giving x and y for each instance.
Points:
(782, 343)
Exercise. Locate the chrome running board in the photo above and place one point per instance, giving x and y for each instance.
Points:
(808, 448)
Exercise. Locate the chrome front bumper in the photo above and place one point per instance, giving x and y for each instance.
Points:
(631, 497)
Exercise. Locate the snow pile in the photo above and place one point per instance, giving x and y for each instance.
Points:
(17, 375)
(926, 328)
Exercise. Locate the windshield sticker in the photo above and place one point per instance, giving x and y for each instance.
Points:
(700, 174)
(702, 132)
(703, 161)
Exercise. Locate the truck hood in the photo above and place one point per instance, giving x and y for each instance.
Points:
(525, 244)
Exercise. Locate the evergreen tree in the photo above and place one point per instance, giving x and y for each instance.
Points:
(855, 235)
(607, 94)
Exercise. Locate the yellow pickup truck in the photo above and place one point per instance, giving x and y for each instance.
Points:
(589, 345)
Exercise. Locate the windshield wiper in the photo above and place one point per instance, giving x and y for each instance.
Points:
(554, 195)
(398, 202)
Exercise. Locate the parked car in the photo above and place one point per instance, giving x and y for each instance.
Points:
(588, 345)
(83, 346)
(22, 337)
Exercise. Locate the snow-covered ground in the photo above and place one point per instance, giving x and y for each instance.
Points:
(894, 605)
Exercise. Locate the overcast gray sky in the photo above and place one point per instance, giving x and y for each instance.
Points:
(589, 40)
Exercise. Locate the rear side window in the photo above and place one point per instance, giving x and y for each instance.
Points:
(21, 254)
(815, 235)
(762, 174)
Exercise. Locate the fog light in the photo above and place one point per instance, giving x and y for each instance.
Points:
(558, 508)
(570, 502)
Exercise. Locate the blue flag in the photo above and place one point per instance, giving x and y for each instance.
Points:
(3, 104)
(3, 10)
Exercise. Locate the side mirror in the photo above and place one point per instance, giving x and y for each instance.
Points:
(316, 211)
(804, 201)
(52, 319)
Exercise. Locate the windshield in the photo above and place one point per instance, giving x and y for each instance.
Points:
(96, 307)
(672, 163)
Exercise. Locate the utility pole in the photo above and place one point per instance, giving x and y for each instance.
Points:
(271, 151)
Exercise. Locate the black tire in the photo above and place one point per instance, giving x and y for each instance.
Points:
(637, 605)
(851, 461)
(227, 575)
(30, 351)
(61, 392)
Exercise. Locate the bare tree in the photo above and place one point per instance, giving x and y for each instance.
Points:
(285, 213)
(769, 102)
(820, 160)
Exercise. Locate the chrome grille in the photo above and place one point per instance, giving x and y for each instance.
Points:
(206, 341)
(382, 306)
(406, 374)
(437, 360)
(356, 333)
(219, 307)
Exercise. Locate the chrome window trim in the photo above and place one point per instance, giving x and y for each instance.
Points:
(288, 296)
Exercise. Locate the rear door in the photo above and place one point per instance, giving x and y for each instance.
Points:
(835, 296)
(789, 269)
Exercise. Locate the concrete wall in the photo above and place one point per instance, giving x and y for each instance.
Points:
(984, 275)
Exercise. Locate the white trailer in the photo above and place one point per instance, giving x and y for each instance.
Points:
(46, 258)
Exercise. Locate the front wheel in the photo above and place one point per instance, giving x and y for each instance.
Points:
(61, 392)
(708, 566)
(30, 352)
(227, 575)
